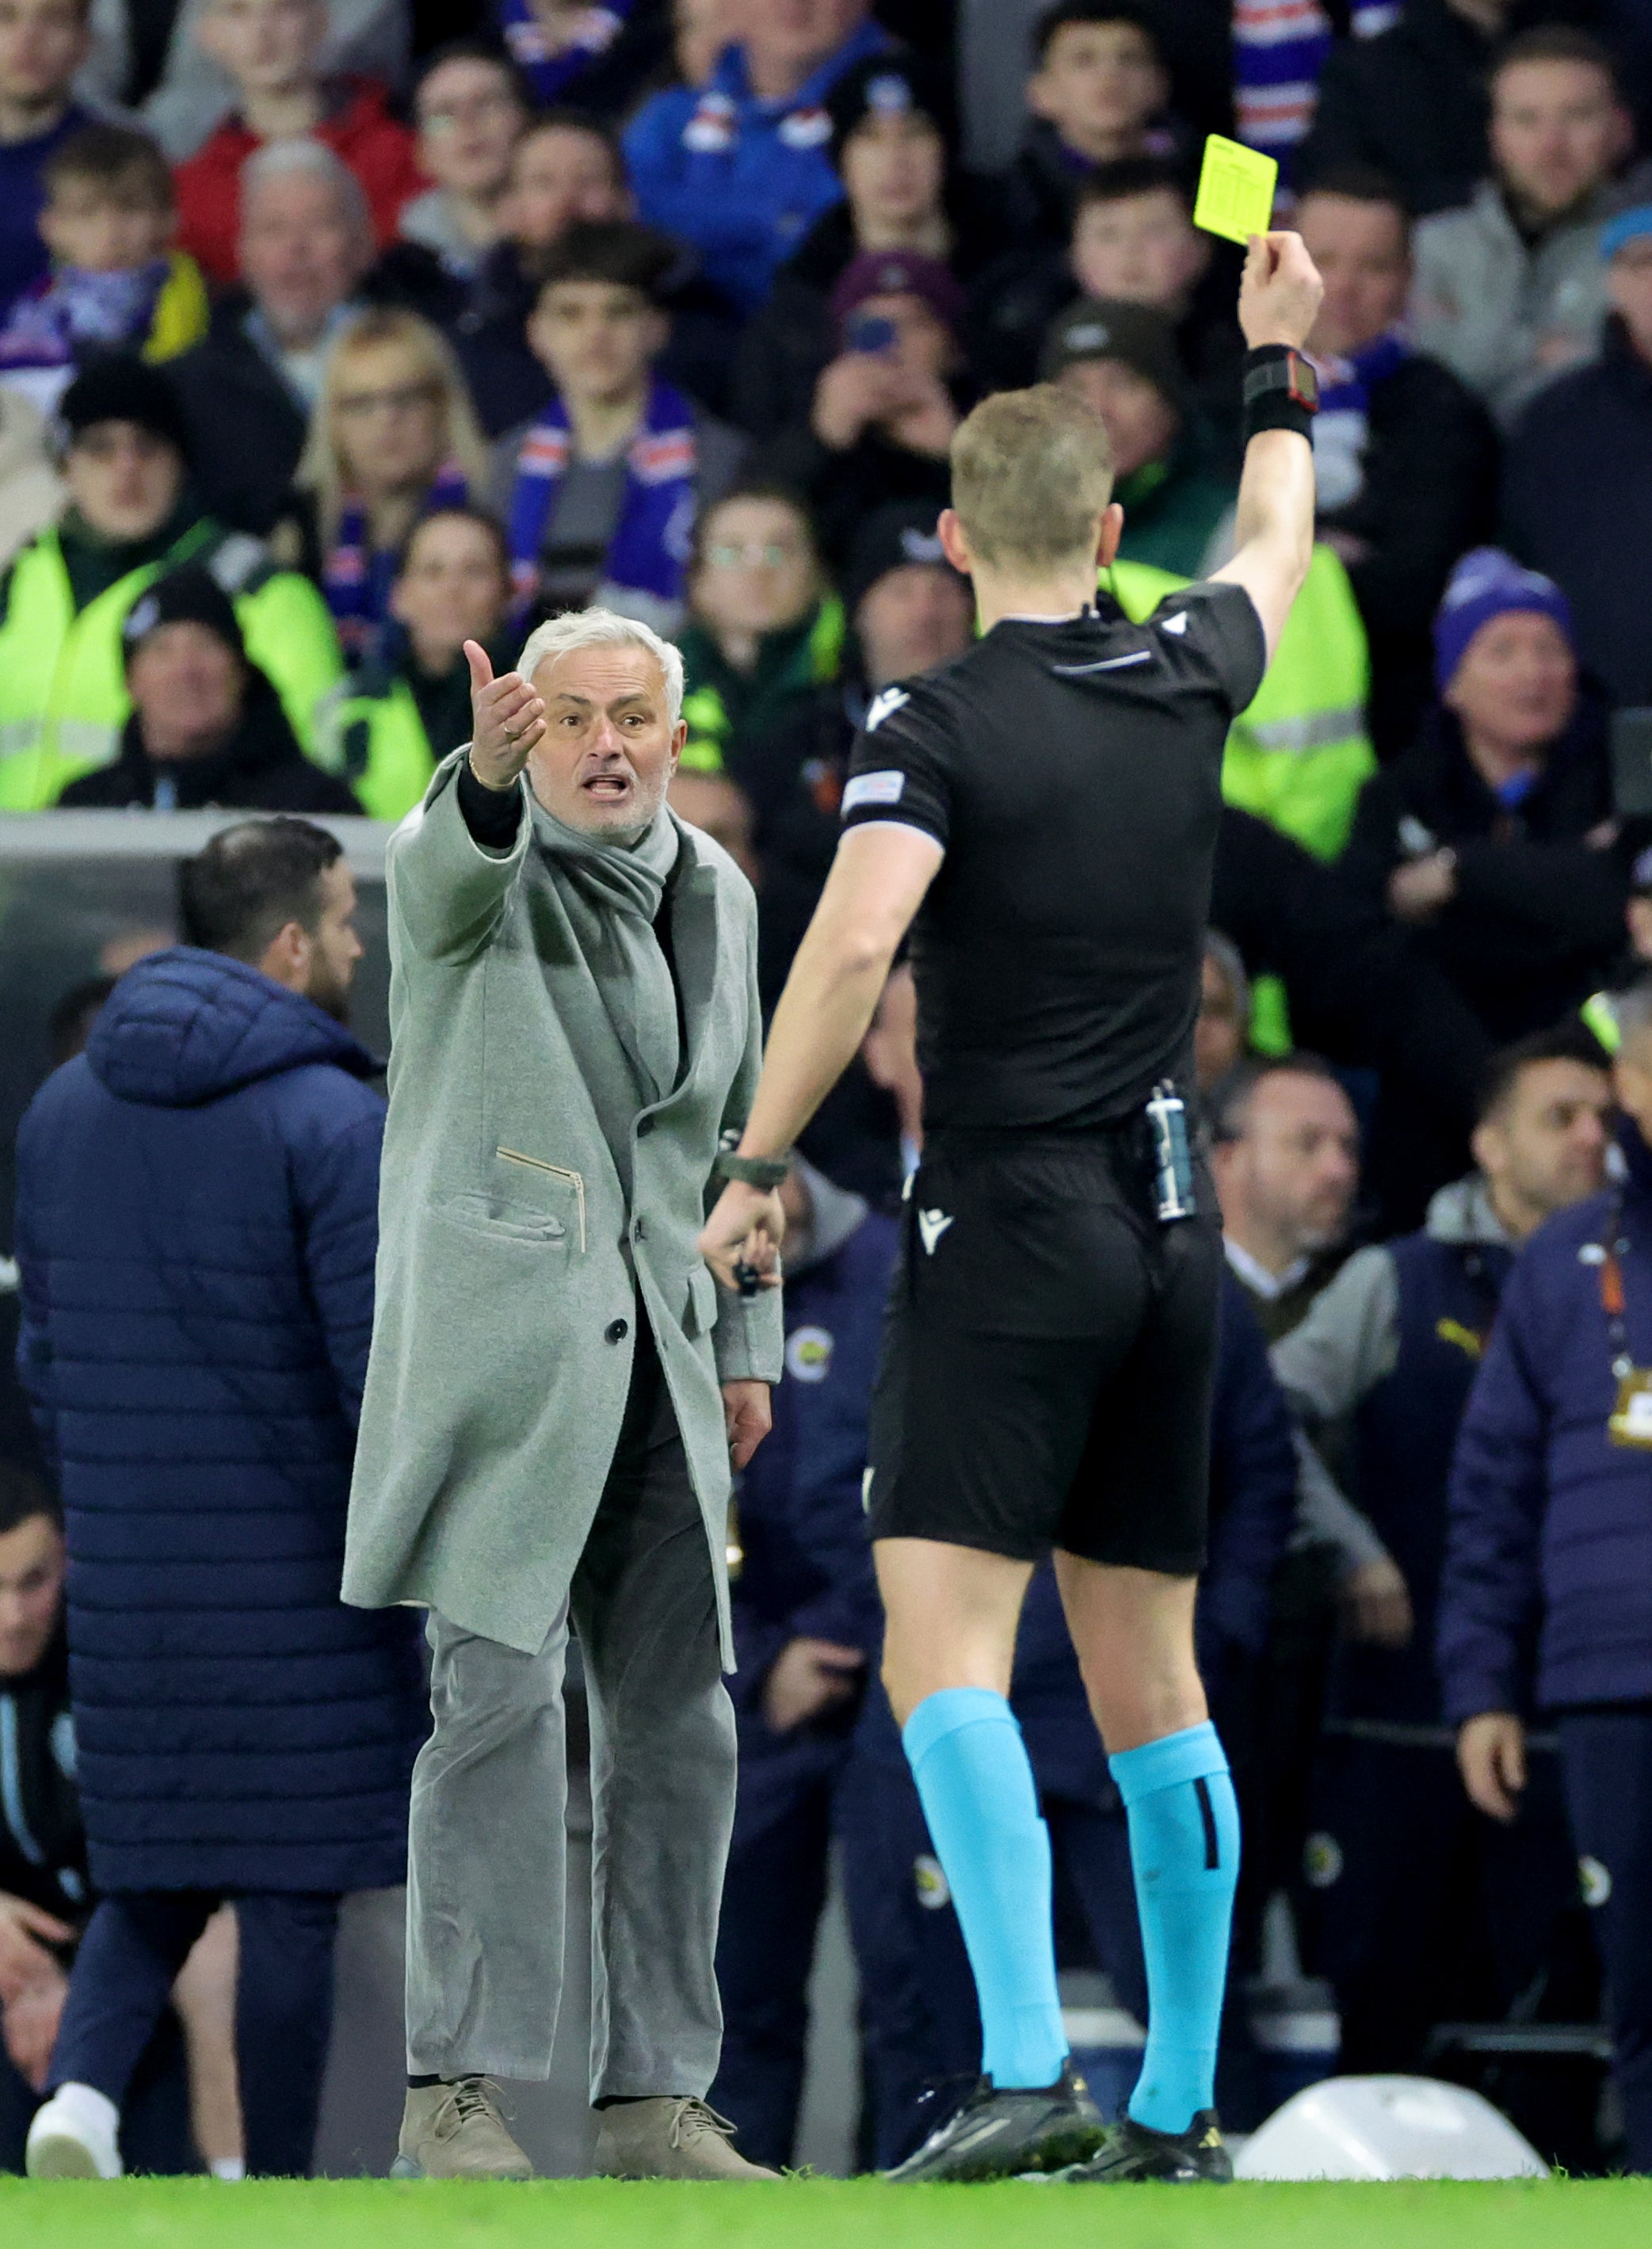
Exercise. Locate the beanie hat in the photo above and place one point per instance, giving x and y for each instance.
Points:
(116, 388)
(1138, 336)
(890, 85)
(190, 596)
(898, 273)
(897, 536)
(1488, 583)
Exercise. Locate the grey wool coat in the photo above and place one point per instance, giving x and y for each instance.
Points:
(514, 1257)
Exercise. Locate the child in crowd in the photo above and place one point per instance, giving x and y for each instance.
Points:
(470, 108)
(600, 495)
(1095, 97)
(43, 45)
(1133, 241)
(115, 284)
(393, 438)
(565, 170)
(273, 49)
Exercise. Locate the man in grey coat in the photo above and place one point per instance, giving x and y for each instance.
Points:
(1511, 291)
(558, 1389)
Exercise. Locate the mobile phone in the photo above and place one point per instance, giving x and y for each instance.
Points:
(1631, 739)
(870, 332)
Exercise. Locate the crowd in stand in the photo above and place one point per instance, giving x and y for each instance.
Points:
(331, 337)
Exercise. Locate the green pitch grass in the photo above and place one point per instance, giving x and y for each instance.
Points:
(821, 2214)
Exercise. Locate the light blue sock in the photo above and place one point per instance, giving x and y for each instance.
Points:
(1184, 1847)
(970, 1764)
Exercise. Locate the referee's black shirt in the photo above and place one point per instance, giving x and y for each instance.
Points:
(1072, 773)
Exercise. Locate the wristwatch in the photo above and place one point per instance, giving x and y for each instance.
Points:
(1290, 371)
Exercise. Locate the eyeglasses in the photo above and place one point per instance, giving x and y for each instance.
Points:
(755, 555)
(479, 107)
(402, 398)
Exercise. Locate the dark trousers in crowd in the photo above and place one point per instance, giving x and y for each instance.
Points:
(156, 2133)
(1420, 1910)
(786, 1814)
(134, 1945)
(1607, 1758)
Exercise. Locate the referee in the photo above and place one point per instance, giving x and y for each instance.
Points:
(1042, 814)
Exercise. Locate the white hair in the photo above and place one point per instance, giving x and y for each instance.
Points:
(604, 629)
(302, 158)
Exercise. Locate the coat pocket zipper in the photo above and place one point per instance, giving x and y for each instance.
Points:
(575, 1179)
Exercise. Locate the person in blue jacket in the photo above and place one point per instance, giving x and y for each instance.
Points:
(742, 166)
(1545, 1597)
(1420, 1910)
(196, 1227)
(806, 1629)
(919, 2018)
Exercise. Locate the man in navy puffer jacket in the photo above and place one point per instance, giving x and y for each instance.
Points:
(196, 1227)
(1545, 1597)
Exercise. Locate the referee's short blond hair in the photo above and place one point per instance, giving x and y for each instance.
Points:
(1031, 471)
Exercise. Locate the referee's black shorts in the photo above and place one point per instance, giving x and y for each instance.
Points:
(1049, 1358)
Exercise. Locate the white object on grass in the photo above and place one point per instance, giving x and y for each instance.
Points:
(1388, 2128)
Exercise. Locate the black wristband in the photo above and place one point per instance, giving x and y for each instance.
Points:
(765, 1172)
(492, 815)
(1281, 391)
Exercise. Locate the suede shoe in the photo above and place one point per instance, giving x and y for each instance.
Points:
(670, 2136)
(1133, 2151)
(456, 2131)
(1005, 2134)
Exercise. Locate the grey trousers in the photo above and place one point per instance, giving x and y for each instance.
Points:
(486, 1849)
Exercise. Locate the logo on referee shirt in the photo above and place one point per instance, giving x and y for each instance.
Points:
(873, 788)
(932, 1224)
(1177, 624)
(882, 705)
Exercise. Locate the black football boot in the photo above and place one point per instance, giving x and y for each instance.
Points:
(999, 2135)
(1133, 2151)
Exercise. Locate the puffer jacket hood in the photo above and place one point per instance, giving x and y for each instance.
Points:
(186, 1026)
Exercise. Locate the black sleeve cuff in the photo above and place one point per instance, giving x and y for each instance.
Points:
(492, 815)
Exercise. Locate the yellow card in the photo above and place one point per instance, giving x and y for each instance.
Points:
(1236, 190)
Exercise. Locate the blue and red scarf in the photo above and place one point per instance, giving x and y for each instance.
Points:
(74, 309)
(1341, 428)
(356, 579)
(650, 542)
(554, 76)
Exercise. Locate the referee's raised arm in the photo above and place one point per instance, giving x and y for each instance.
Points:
(1279, 300)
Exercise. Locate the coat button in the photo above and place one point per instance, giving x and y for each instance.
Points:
(617, 1330)
(639, 1232)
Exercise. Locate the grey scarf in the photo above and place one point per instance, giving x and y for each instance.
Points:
(611, 895)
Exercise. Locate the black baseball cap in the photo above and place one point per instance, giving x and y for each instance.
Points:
(1138, 336)
(898, 536)
(190, 595)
